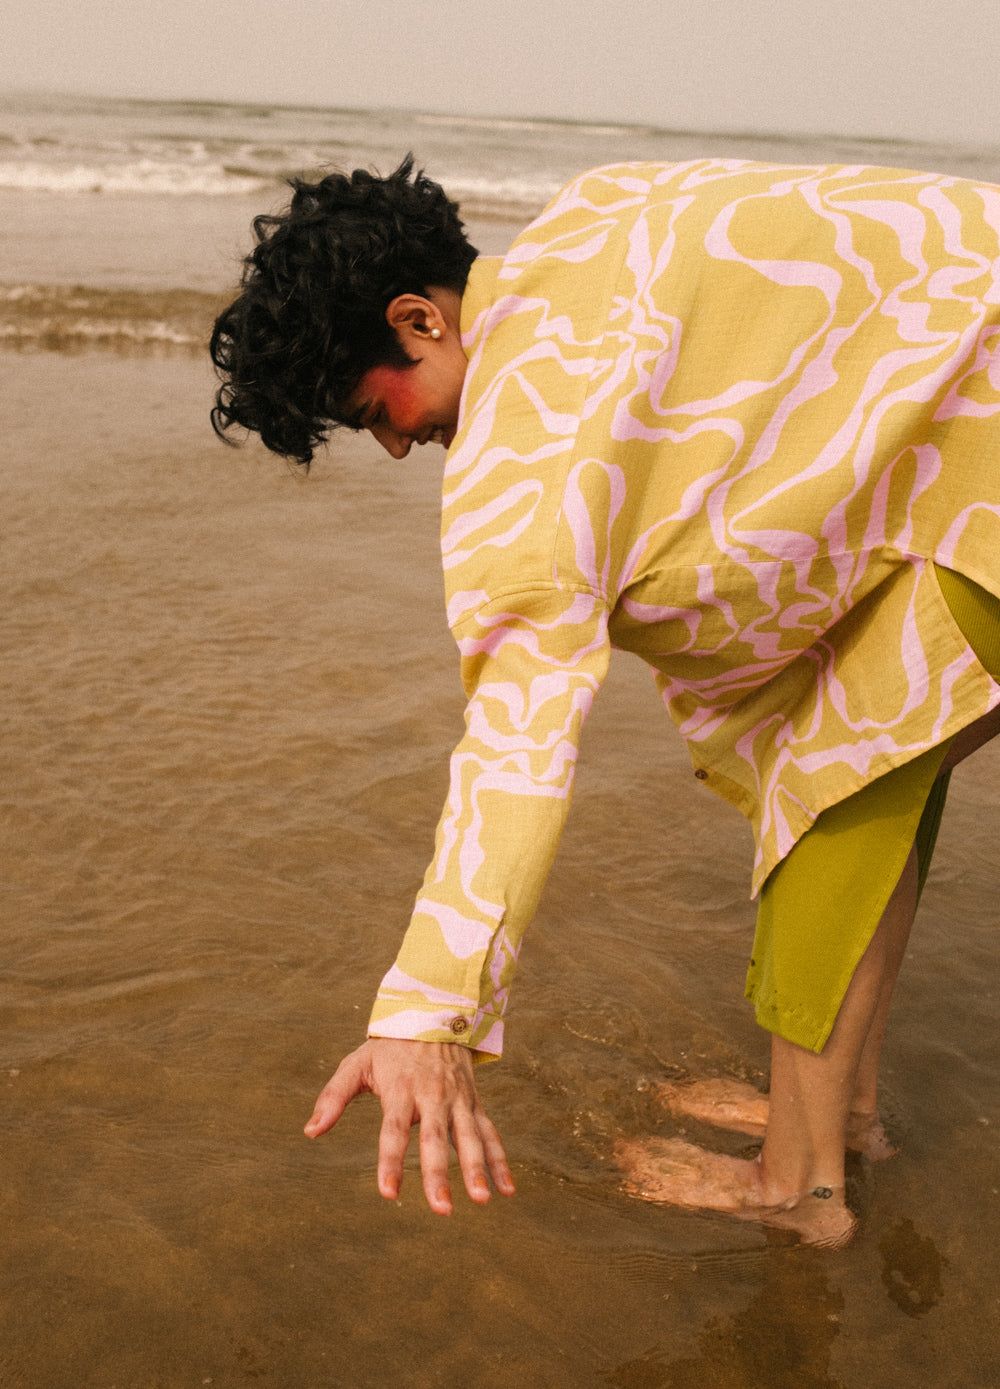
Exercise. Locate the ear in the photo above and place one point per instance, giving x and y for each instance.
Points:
(415, 318)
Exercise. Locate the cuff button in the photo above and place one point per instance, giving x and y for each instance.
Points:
(701, 774)
(459, 1025)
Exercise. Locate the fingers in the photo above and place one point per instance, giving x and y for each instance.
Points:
(471, 1156)
(434, 1150)
(393, 1140)
(480, 1156)
(496, 1158)
(477, 1143)
(347, 1081)
(427, 1083)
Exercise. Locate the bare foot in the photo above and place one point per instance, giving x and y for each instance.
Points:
(725, 1104)
(675, 1173)
(741, 1108)
(867, 1136)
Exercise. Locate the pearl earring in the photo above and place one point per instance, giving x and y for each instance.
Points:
(435, 332)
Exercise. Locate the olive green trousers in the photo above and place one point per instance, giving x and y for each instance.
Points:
(820, 906)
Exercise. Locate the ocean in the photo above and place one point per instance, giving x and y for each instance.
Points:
(227, 699)
(123, 222)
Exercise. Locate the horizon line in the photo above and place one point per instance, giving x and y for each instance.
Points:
(780, 136)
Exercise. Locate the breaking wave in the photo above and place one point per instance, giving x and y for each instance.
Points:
(73, 318)
(137, 176)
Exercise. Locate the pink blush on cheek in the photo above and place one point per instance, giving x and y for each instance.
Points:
(398, 393)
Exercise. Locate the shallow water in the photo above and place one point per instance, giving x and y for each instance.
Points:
(228, 696)
(228, 699)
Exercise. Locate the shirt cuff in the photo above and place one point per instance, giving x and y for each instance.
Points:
(409, 1019)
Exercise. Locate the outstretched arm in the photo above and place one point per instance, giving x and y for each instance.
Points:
(532, 662)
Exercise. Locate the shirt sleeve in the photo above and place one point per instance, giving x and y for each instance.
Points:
(532, 662)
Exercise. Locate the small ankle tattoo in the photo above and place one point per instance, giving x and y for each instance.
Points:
(823, 1192)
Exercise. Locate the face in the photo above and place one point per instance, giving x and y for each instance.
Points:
(401, 406)
(418, 404)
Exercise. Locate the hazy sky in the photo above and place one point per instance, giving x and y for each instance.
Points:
(901, 68)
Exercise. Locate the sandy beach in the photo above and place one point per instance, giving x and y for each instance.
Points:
(229, 695)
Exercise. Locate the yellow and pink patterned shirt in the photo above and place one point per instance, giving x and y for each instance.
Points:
(724, 415)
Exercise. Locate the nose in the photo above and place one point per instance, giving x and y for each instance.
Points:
(398, 445)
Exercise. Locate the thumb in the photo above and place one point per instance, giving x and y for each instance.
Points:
(345, 1083)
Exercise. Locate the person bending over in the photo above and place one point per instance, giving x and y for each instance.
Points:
(742, 420)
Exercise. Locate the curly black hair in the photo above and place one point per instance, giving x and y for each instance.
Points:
(310, 320)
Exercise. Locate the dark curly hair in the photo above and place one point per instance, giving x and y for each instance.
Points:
(310, 320)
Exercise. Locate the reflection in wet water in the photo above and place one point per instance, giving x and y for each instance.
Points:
(911, 1268)
(781, 1339)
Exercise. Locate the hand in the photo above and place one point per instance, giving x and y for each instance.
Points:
(429, 1083)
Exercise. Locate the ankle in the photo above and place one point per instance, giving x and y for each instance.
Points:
(783, 1188)
(777, 1188)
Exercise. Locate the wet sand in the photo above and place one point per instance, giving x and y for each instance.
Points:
(228, 699)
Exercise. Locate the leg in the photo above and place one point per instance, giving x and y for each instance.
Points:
(814, 1091)
(864, 1129)
(740, 1107)
(812, 1096)
(811, 1099)
(818, 1101)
